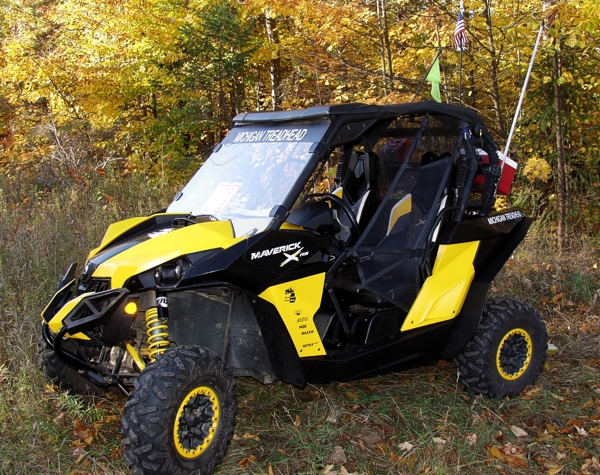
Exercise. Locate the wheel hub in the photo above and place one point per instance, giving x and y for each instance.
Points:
(514, 354)
(196, 422)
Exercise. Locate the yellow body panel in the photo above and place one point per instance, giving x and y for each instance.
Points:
(291, 227)
(297, 302)
(164, 247)
(56, 323)
(118, 228)
(404, 206)
(442, 296)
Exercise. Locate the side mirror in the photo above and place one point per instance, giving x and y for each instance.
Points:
(315, 216)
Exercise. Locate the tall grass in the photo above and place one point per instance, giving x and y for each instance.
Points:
(40, 234)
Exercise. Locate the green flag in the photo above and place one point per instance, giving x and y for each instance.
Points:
(435, 78)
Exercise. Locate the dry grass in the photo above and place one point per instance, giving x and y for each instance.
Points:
(419, 421)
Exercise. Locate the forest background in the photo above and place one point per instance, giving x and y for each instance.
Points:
(149, 87)
(107, 107)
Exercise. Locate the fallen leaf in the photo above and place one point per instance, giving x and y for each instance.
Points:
(333, 417)
(381, 446)
(116, 452)
(297, 421)
(495, 452)
(371, 438)
(554, 471)
(337, 457)
(471, 439)
(591, 464)
(516, 461)
(406, 446)
(509, 449)
(78, 452)
(61, 420)
(581, 431)
(439, 440)
(574, 422)
(531, 393)
(247, 461)
(81, 434)
(251, 436)
(270, 469)
(518, 431)
(361, 445)
(552, 349)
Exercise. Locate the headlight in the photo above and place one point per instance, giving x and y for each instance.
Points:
(88, 270)
(171, 273)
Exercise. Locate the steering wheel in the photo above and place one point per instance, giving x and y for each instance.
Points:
(337, 202)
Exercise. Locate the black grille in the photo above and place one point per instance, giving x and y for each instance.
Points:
(97, 285)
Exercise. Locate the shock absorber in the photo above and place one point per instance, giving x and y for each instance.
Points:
(157, 328)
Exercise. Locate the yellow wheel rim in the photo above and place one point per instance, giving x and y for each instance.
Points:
(514, 354)
(196, 422)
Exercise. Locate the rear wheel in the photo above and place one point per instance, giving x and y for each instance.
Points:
(181, 416)
(508, 352)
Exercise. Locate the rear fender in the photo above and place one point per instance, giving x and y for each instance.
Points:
(491, 256)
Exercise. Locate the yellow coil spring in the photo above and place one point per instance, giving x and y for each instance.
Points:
(158, 336)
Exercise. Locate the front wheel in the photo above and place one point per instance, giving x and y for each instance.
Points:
(181, 416)
(60, 374)
(508, 352)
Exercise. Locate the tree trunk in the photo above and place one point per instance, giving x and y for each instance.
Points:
(442, 63)
(275, 63)
(494, 71)
(386, 50)
(560, 151)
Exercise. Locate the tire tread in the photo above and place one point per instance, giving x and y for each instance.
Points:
(476, 361)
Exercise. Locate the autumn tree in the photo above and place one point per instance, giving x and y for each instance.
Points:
(153, 85)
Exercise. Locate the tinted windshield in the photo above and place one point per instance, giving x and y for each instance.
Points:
(250, 173)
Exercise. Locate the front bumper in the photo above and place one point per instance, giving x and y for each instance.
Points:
(97, 316)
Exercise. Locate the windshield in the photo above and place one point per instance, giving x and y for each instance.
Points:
(250, 173)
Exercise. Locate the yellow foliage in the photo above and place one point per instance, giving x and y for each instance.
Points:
(537, 169)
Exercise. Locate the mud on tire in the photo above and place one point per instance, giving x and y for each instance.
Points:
(508, 352)
(180, 417)
(60, 374)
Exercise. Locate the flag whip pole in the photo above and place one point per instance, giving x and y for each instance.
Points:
(427, 73)
(460, 69)
(460, 60)
(517, 112)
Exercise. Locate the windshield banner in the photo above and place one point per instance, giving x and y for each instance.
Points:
(280, 133)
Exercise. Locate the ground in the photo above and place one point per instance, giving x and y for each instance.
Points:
(418, 421)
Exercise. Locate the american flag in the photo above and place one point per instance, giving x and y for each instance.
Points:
(460, 33)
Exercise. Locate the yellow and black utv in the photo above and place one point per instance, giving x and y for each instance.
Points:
(325, 244)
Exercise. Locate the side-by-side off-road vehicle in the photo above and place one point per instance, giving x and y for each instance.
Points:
(325, 244)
